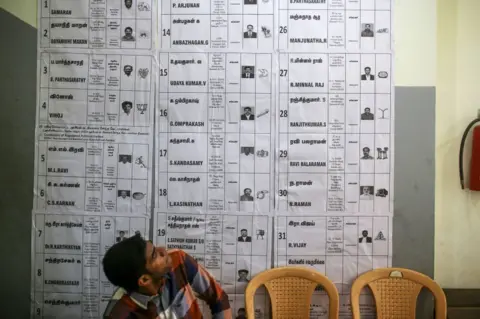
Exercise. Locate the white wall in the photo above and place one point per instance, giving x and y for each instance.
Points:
(457, 229)
(415, 42)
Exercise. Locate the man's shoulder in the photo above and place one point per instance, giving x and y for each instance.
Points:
(176, 254)
(178, 257)
(120, 306)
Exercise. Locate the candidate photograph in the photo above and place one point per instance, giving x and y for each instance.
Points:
(366, 192)
(367, 76)
(250, 34)
(367, 114)
(367, 30)
(128, 36)
(244, 236)
(248, 72)
(247, 195)
(247, 114)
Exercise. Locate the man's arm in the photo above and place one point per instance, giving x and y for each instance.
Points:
(207, 289)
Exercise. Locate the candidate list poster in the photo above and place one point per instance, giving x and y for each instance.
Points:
(341, 248)
(215, 133)
(335, 134)
(95, 108)
(67, 251)
(94, 136)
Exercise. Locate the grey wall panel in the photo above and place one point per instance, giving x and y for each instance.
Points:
(413, 227)
(414, 219)
(17, 125)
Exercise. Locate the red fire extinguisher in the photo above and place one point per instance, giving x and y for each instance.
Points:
(475, 163)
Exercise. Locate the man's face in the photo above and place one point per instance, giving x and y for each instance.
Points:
(250, 28)
(247, 152)
(158, 263)
(366, 151)
(367, 71)
(364, 233)
(128, 4)
(366, 190)
(127, 108)
(248, 111)
(248, 191)
(367, 27)
(242, 275)
(367, 111)
(248, 70)
(124, 159)
(128, 70)
(128, 32)
(122, 234)
(244, 233)
(123, 194)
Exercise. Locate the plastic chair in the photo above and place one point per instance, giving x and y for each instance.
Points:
(290, 290)
(395, 291)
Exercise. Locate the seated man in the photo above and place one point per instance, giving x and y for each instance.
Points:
(154, 283)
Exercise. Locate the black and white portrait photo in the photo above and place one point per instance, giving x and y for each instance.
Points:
(128, 69)
(248, 114)
(247, 150)
(366, 192)
(366, 154)
(123, 194)
(128, 34)
(367, 115)
(365, 238)
(128, 4)
(250, 2)
(248, 72)
(244, 236)
(243, 275)
(124, 159)
(250, 34)
(127, 107)
(367, 30)
(367, 76)
(247, 195)
(122, 235)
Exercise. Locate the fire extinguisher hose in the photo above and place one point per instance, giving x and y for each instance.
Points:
(462, 147)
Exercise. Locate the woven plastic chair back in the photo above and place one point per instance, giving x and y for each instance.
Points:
(396, 291)
(290, 290)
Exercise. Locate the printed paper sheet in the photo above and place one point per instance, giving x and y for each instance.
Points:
(263, 108)
(233, 248)
(67, 273)
(341, 247)
(214, 133)
(335, 134)
(94, 133)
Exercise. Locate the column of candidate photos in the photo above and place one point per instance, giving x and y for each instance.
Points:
(94, 147)
(68, 279)
(95, 109)
(335, 133)
(214, 133)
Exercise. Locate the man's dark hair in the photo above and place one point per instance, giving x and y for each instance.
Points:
(125, 262)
